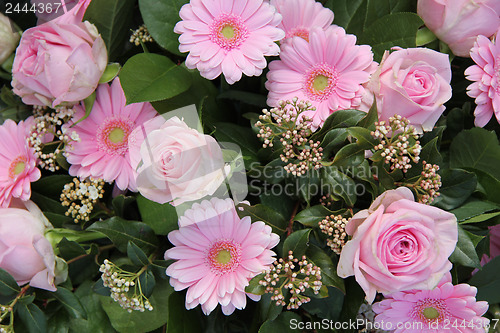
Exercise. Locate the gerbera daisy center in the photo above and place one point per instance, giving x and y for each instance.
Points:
(430, 313)
(224, 256)
(112, 135)
(430, 309)
(17, 166)
(228, 31)
(320, 82)
(299, 32)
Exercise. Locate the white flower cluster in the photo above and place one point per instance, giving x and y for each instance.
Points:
(124, 286)
(292, 275)
(334, 225)
(80, 197)
(140, 35)
(293, 130)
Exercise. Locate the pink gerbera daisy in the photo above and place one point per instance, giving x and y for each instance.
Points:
(446, 308)
(17, 162)
(486, 74)
(328, 71)
(299, 16)
(101, 146)
(228, 36)
(217, 254)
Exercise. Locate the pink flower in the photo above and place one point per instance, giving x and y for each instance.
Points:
(299, 16)
(8, 38)
(446, 308)
(398, 244)
(486, 77)
(228, 36)
(59, 62)
(413, 83)
(17, 162)
(24, 252)
(175, 163)
(48, 10)
(329, 71)
(459, 22)
(102, 148)
(217, 255)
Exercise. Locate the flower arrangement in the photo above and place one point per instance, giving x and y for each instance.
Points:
(249, 166)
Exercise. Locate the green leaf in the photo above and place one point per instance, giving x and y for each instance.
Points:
(244, 137)
(160, 18)
(51, 186)
(350, 14)
(481, 218)
(140, 322)
(488, 185)
(476, 149)
(430, 152)
(338, 119)
(350, 155)
(112, 18)
(148, 77)
(363, 137)
(371, 117)
(97, 320)
(8, 286)
(254, 287)
(487, 281)
(398, 29)
(136, 254)
(245, 97)
(472, 208)
(328, 307)
(110, 72)
(329, 275)
(100, 289)
(333, 140)
(284, 323)
(148, 283)
(311, 216)
(465, 253)
(297, 242)
(120, 232)
(162, 218)
(181, 320)
(69, 300)
(337, 183)
(32, 317)
(352, 303)
(120, 204)
(265, 214)
(457, 186)
(69, 249)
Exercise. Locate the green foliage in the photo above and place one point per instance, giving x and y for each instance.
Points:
(8, 286)
(297, 242)
(149, 77)
(162, 218)
(265, 214)
(465, 253)
(32, 317)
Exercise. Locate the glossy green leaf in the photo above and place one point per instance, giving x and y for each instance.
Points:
(465, 253)
(112, 19)
(136, 254)
(160, 18)
(297, 242)
(284, 323)
(457, 186)
(487, 281)
(472, 208)
(8, 286)
(265, 214)
(254, 287)
(148, 283)
(337, 183)
(32, 317)
(162, 218)
(69, 300)
(121, 232)
(148, 77)
(110, 72)
(329, 275)
(313, 215)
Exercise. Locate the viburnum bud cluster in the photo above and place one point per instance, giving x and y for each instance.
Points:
(47, 124)
(293, 275)
(428, 184)
(293, 130)
(81, 196)
(125, 287)
(398, 142)
(334, 226)
(141, 35)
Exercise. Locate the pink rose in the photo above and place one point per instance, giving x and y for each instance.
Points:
(175, 163)
(59, 62)
(414, 83)
(24, 251)
(398, 244)
(459, 22)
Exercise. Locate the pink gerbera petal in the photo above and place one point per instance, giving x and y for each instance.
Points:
(218, 270)
(228, 36)
(446, 307)
(486, 77)
(329, 71)
(17, 161)
(102, 148)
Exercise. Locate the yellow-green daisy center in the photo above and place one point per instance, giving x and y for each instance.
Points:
(320, 83)
(430, 313)
(223, 257)
(228, 32)
(19, 168)
(116, 135)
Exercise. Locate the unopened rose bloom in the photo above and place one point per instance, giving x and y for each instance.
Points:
(445, 308)
(59, 62)
(8, 38)
(398, 244)
(413, 83)
(175, 163)
(459, 22)
(26, 254)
